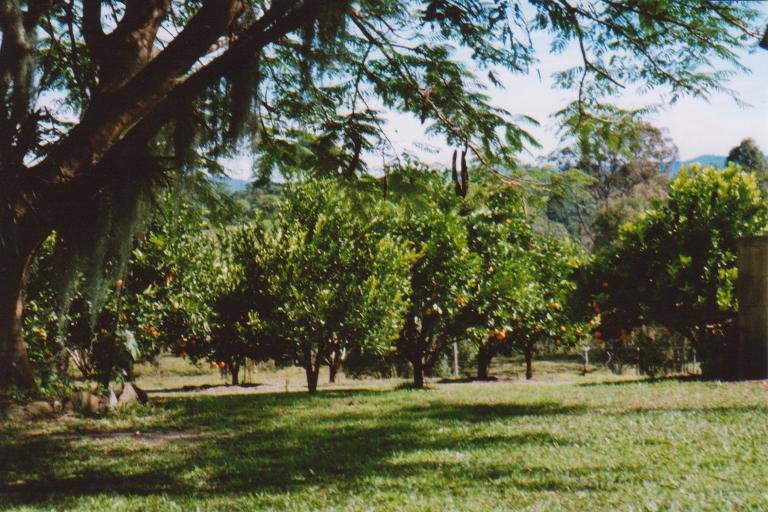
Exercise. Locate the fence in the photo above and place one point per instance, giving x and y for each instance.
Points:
(675, 358)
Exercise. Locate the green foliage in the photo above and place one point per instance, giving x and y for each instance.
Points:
(751, 158)
(302, 100)
(676, 265)
(160, 301)
(336, 279)
(520, 300)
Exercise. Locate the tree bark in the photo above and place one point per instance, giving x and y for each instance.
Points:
(334, 363)
(313, 373)
(234, 372)
(528, 351)
(484, 357)
(418, 372)
(333, 369)
(312, 365)
(15, 369)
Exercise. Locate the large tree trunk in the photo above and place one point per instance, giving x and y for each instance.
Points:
(15, 369)
(484, 357)
(234, 372)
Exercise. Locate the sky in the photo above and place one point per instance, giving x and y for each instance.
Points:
(696, 126)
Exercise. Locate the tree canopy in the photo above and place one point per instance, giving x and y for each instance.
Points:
(101, 100)
(676, 265)
(751, 158)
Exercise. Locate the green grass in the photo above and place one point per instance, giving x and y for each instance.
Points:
(506, 446)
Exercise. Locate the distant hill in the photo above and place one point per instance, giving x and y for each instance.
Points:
(235, 185)
(713, 160)
(231, 185)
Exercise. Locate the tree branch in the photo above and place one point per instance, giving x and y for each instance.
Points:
(92, 30)
(112, 113)
(36, 10)
(262, 32)
(425, 97)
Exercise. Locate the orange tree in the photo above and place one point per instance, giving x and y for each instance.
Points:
(336, 280)
(521, 295)
(241, 300)
(676, 265)
(443, 271)
(160, 299)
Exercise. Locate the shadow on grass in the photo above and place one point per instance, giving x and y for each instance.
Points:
(202, 387)
(706, 411)
(274, 443)
(476, 413)
(646, 380)
(464, 380)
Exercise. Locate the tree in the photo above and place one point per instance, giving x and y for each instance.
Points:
(175, 273)
(443, 271)
(543, 312)
(499, 233)
(159, 301)
(626, 161)
(520, 296)
(569, 202)
(676, 265)
(164, 89)
(751, 158)
(338, 283)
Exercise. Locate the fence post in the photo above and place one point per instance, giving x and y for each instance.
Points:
(752, 294)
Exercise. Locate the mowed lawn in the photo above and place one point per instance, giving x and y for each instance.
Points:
(502, 446)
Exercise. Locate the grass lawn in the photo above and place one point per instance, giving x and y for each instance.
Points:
(503, 446)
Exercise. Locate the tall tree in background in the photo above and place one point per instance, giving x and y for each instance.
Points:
(751, 158)
(99, 99)
(626, 166)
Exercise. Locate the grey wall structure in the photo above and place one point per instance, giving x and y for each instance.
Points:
(752, 293)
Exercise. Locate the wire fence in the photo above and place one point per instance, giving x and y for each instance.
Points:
(677, 358)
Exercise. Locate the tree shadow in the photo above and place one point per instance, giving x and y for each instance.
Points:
(475, 413)
(716, 411)
(202, 387)
(248, 443)
(645, 380)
